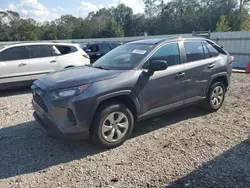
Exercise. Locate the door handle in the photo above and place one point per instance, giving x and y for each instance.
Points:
(53, 61)
(181, 74)
(22, 64)
(210, 66)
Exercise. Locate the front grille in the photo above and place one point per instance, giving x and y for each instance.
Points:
(38, 99)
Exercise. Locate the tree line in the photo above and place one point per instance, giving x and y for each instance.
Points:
(159, 17)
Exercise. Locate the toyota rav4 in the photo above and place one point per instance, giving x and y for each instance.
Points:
(135, 81)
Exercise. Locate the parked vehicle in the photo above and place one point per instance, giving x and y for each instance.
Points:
(133, 82)
(98, 49)
(22, 63)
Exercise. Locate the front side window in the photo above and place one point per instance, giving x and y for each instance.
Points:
(169, 53)
(93, 48)
(15, 53)
(124, 57)
(194, 51)
(40, 51)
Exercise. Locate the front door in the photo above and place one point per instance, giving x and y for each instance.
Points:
(42, 60)
(165, 89)
(93, 52)
(14, 65)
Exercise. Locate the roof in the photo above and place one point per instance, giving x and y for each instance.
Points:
(38, 43)
(149, 41)
(160, 40)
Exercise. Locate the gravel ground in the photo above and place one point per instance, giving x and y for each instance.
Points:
(186, 148)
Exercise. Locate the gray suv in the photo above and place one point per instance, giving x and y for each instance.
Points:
(135, 81)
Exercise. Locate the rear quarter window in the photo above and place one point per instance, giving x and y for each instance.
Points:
(214, 49)
(63, 49)
(213, 52)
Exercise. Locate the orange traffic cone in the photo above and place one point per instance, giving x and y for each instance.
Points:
(248, 67)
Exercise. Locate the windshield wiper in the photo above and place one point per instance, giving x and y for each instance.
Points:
(101, 67)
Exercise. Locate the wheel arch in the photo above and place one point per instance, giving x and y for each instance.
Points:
(125, 97)
(221, 77)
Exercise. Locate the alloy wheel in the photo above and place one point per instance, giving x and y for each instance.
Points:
(115, 127)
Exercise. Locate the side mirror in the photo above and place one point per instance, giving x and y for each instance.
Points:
(157, 65)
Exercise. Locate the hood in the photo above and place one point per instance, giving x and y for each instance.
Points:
(75, 77)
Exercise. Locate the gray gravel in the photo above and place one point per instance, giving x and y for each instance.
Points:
(186, 148)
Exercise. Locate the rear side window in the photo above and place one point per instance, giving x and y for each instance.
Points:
(40, 51)
(15, 53)
(213, 52)
(104, 47)
(66, 49)
(194, 51)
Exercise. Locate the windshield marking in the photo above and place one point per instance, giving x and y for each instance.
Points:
(139, 52)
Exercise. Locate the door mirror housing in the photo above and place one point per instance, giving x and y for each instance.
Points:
(157, 65)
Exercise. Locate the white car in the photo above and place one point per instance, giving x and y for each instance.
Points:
(21, 64)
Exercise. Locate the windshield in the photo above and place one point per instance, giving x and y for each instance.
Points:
(127, 56)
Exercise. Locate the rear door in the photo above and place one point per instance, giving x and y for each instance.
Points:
(14, 65)
(200, 64)
(42, 60)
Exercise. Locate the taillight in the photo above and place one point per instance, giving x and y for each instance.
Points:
(232, 59)
(85, 55)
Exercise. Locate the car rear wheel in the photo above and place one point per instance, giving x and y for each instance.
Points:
(112, 126)
(215, 96)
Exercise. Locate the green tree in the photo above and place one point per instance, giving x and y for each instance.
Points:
(223, 24)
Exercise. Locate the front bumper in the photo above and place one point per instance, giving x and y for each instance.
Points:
(57, 121)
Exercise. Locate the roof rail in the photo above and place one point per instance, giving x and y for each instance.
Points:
(205, 34)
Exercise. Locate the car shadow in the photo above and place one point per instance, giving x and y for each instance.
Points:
(167, 119)
(230, 169)
(25, 148)
(15, 91)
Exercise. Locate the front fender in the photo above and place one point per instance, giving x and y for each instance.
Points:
(115, 94)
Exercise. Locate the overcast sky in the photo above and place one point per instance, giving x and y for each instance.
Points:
(42, 10)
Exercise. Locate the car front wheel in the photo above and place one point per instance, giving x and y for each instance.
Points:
(112, 126)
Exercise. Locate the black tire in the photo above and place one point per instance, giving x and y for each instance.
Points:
(102, 113)
(209, 102)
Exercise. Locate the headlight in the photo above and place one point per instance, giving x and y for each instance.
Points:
(69, 92)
